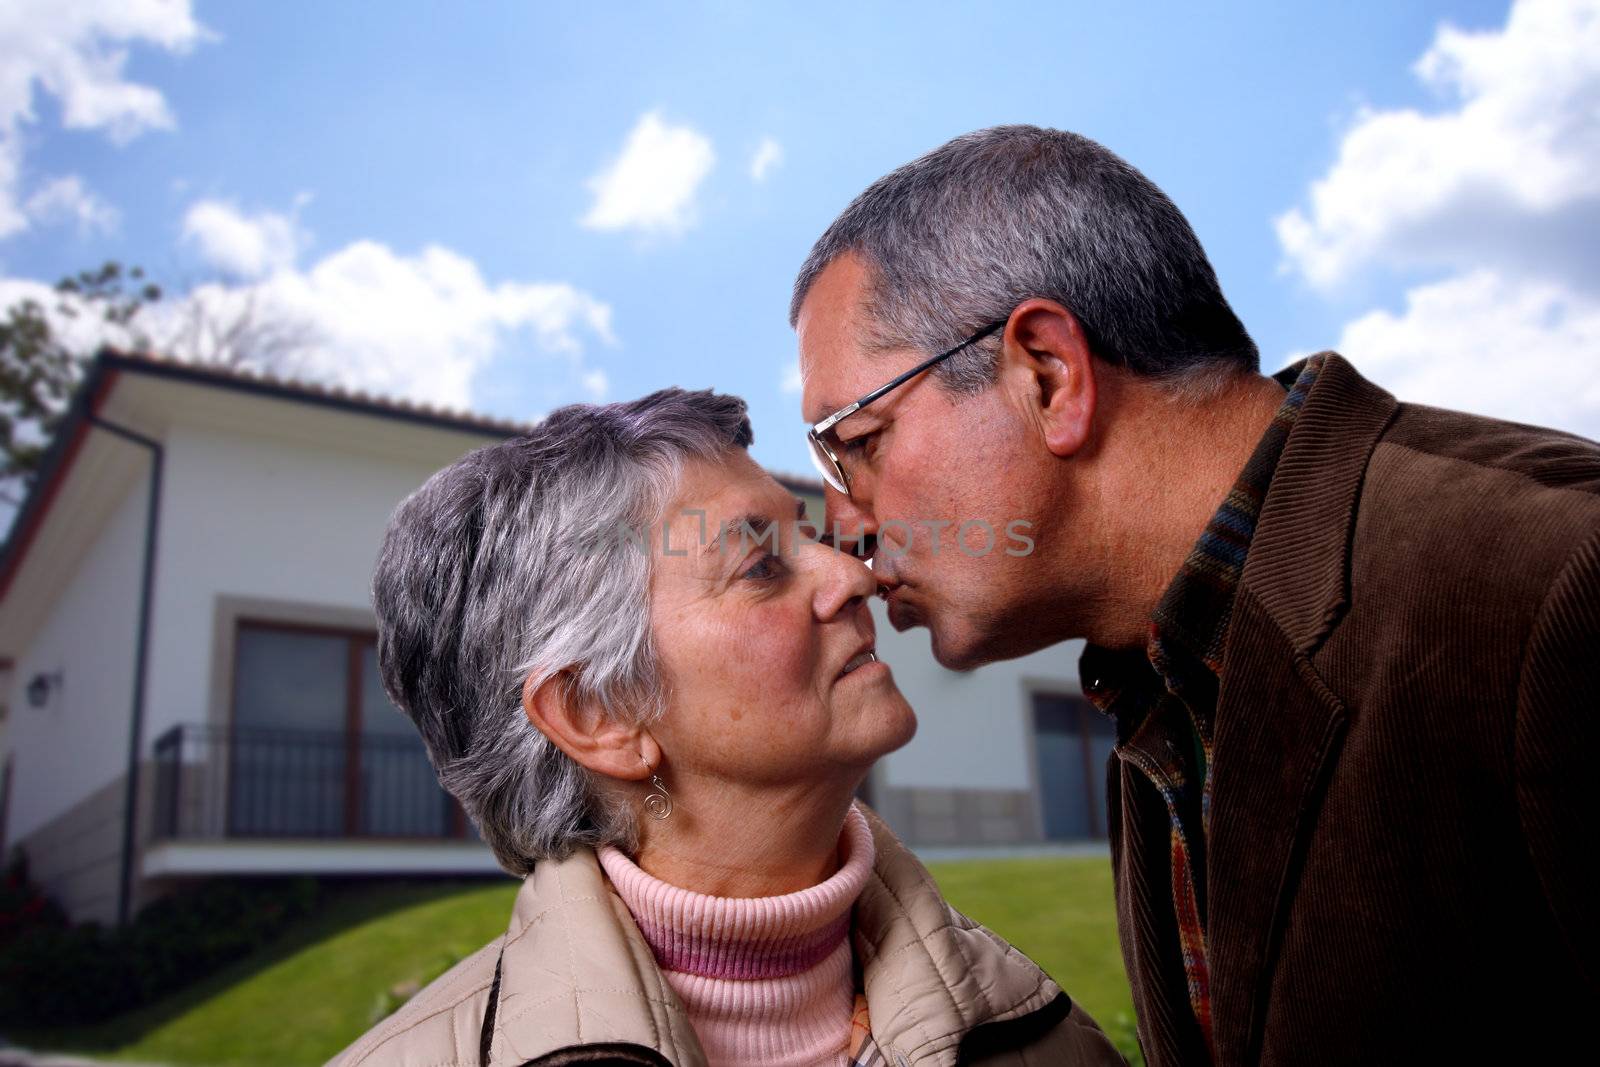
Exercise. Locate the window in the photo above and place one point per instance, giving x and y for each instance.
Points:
(1073, 743)
(317, 750)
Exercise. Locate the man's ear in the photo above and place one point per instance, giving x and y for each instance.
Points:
(1047, 358)
(593, 739)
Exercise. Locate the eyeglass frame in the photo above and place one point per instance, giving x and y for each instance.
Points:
(819, 446)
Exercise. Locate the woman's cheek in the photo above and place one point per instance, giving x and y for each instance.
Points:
(797, 640)
(778, 654)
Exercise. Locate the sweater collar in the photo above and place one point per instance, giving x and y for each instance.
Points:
(745, 937)
(576, 972)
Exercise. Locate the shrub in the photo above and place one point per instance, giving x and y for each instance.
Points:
(22, 906)
(52, 973)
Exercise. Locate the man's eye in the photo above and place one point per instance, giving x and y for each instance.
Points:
(859, 444)
(765, 569)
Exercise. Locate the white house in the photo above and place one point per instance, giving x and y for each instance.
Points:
(187, 676)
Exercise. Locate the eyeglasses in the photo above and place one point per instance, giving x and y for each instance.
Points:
(824, 457)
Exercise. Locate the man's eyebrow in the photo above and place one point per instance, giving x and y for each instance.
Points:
(831, 408)
(859, 418)
(822, 412)
(752, 525)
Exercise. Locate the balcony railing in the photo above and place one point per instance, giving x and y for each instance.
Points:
(251, 782)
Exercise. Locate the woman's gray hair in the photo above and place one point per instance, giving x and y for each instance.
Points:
(958, 238)
(518, 560)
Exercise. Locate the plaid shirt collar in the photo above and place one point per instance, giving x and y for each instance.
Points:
(1189, 627)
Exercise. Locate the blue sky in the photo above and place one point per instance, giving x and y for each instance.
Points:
(313, 156)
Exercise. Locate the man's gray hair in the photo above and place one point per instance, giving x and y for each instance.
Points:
(958, 238)
(509, 563)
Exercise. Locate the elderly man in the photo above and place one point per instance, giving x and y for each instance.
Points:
(1351, 645)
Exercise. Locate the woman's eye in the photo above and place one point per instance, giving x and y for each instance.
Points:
(765, 569)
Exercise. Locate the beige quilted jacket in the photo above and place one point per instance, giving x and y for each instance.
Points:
(573, 981)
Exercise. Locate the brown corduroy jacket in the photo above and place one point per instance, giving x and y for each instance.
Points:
(1401, 860)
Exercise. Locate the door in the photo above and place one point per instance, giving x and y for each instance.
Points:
(316, 748)
(287, 752)
(1073, 743)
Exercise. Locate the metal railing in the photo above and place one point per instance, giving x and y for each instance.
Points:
(254, 782)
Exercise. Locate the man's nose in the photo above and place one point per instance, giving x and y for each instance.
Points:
(850, 525)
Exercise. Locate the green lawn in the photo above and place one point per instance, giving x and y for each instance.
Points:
(1062, 913)
(312, 994)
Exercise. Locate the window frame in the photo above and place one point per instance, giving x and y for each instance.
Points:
(356, 640)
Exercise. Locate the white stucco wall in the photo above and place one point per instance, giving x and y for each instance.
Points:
(78, 743)
(260, 517)
(253, 513)
(972, 728)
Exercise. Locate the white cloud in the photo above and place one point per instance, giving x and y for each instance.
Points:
(792, 384)
(1516, 349)
(597, 384)
(420, 327)
(768, 154)
(76, 53)
(1509, 174)
(1498, 195)
(68, 200)
(247, 246)
(651, 186)
(12, 216)
(79, 330)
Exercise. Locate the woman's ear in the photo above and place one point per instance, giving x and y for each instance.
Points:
(1049, 358)
(593, 739)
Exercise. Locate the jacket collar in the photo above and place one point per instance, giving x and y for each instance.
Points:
(1279, 727)
(575, 970)
(932, 976)
(1299, 559)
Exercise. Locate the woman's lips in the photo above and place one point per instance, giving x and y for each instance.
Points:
(859, 660)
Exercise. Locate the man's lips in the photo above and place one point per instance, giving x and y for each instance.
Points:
(887, 580)
(902, 614)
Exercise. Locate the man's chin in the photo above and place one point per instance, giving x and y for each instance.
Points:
(953, 650)
(957, 651)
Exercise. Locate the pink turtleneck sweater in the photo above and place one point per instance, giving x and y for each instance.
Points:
(766, 980)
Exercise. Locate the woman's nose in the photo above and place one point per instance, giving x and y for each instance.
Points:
(847, 583)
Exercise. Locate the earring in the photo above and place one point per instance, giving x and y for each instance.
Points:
(658, 803)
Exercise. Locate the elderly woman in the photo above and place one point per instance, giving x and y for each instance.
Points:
(656, 697)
